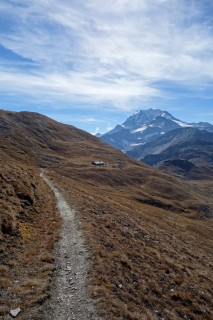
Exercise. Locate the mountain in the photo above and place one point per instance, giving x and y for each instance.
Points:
(37, 140)
(98, 135)
(155, 136)
(148, 234)
(190, 149)
(145, 126)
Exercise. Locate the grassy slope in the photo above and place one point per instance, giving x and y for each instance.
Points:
(38, 140)
(162, 259)
(135, 218)
(29, 227)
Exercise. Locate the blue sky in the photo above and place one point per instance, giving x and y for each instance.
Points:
(93, 63)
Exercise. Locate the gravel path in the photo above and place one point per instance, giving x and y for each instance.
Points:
(70, 299)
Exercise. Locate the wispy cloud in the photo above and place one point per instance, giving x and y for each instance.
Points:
(97, 130)
(91, 52)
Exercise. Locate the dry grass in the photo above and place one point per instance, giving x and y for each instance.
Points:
(46, 257)
(3, 270)
(149, 234)
(147, 262)
(4, 282)
(3, 311)
(48, 267)
(26, 247)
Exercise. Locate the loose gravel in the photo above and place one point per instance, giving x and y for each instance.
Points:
(70, 299)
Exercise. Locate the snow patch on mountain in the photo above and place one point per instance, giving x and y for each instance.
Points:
(183, 124)
(140, 129)
(146, 126)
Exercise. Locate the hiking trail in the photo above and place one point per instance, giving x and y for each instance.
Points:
(70, 299)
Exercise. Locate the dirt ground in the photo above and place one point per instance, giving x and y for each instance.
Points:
(70, 298)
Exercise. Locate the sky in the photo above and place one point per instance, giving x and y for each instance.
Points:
(94, 63)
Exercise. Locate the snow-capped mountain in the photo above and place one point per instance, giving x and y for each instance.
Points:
(175, 144)
(185, 151)
(145, 126)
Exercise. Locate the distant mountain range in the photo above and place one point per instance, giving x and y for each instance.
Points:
(155, 136)
(186, 151)
(145, 126)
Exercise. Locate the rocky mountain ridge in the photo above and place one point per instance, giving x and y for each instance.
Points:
(188, 149)
(157, 138)
(145, 126)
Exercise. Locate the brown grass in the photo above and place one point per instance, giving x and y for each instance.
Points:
(3, 310)
(25, 248)
(3, 270)
(46, 257)
(149, 234)
(148, 263)
(4, 282)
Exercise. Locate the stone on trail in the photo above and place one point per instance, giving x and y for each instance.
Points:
(14, 313)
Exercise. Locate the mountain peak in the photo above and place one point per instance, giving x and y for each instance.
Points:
(147, 125)
(145, 117)
(141, 117)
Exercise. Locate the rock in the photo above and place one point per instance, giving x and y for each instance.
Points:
(14, 313)
(120, 286)
(68, 268)
(71, 281)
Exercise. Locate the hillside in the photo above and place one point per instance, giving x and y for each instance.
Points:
(149, 234)
(191, 146)
(29, 227)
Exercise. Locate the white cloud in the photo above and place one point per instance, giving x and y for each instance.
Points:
(75, 86)
(97, 130)
(107, 52)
